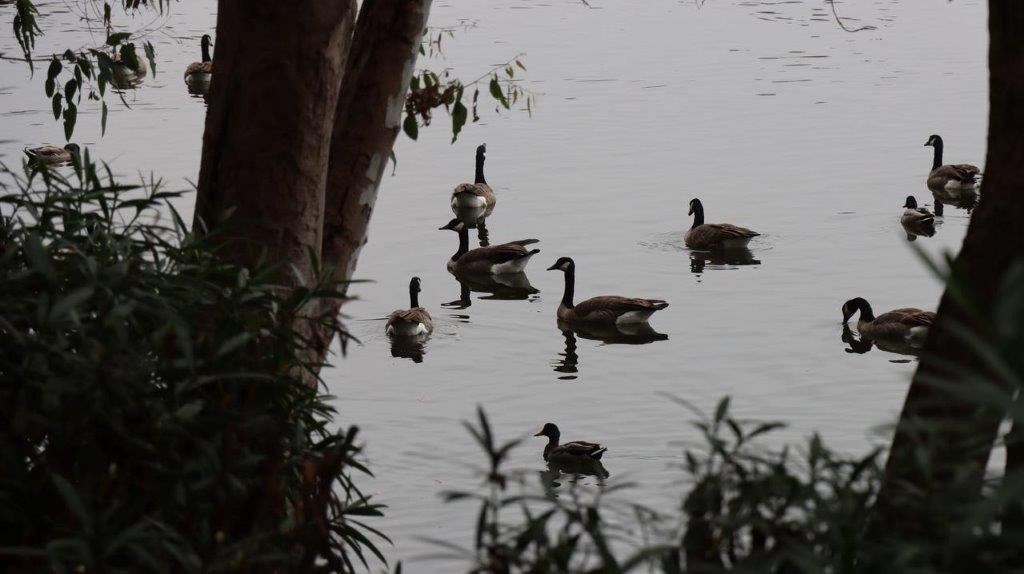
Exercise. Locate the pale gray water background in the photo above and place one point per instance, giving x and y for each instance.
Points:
(768, 111)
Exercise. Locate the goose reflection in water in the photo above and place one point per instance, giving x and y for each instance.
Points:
(475, 217)
(414, 348)
(860, 345)
(625, 334)
(721, 259)
(966, 200)
(509, 287)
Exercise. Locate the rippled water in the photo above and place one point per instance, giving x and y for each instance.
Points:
(768, 111)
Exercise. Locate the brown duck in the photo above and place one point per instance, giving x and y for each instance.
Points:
(574, 452)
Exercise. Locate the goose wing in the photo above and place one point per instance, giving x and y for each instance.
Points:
(46, 151)
(415, 315)
(908, 316)
(498, 253)
(199, 68)
(715, 233)
(610, 307)
(963, 172)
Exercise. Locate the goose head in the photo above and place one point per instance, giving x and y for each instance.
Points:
(72, 147)
(851, 307)
(455, 225)
(206, 41)
(911, 202)
(695, 205)
(414, 285)
(934, 140)
(550, 430)
(481, 151)
(563, 264)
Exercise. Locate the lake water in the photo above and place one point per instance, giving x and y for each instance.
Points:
(768, 111)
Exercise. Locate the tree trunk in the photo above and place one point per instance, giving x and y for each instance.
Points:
(369, 115)
(267, 140)
(942, 442)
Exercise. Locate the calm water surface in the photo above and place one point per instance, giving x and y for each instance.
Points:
(770, 113)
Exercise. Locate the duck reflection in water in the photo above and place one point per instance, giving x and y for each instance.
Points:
(624, 334)
(510, 287)
(721, 259)
(861, 345)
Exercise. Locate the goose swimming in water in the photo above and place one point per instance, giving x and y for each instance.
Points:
(413, 321)
(714, 235)
(606, 309)
(476, 195)
(506, 258)
(907, 323)
(950, 178)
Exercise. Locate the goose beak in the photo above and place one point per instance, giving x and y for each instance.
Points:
(552, 268)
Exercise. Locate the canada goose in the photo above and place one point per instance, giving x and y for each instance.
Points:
(510, 257)
(714, 235)
(51, 154)
(912, 214)
(907, 323)
(952, 178)
(862, 345)
(477, 194)
(139, 71)
(607, 309)
(412, 321)
(570, 452)
(200, 71)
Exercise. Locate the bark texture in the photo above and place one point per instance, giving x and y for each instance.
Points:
(278, 73)
(942, 443)
(368, 119)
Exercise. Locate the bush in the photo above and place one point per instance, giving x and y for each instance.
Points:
(153, 414)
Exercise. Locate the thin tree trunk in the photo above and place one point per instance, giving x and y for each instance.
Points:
(952, 437)
(369, 115)
(278, 73)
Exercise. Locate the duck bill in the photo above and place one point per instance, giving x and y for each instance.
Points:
(540, 433)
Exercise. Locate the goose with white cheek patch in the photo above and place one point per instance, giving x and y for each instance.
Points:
(412, 322)
(574, 452)
(950, 178)
(908, 324)
(714, 235)
(503, 259)
(201, 71)
(605, 309)
(476, 195)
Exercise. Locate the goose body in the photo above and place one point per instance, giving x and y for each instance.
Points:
(478, 194)
(51, 154)
(908, 323)
(714, 235)
(411, 322)
(502, 259)
(605, 309)
(124, 69)
(574, 452)
(950, 178)
(200, 71)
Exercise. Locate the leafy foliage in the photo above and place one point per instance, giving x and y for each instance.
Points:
(153, 410)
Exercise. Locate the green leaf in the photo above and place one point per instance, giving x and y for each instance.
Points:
(117, 38)
(54, 69)
(459, 116)
(68, 303)
(409, 126)
(103, 119)
(69, 89)
(70, 116)
(57, 100)
(150, 55)
(723, 408)
(497, 93)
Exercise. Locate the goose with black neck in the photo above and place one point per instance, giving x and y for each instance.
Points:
(604, 309)
(502, 259)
